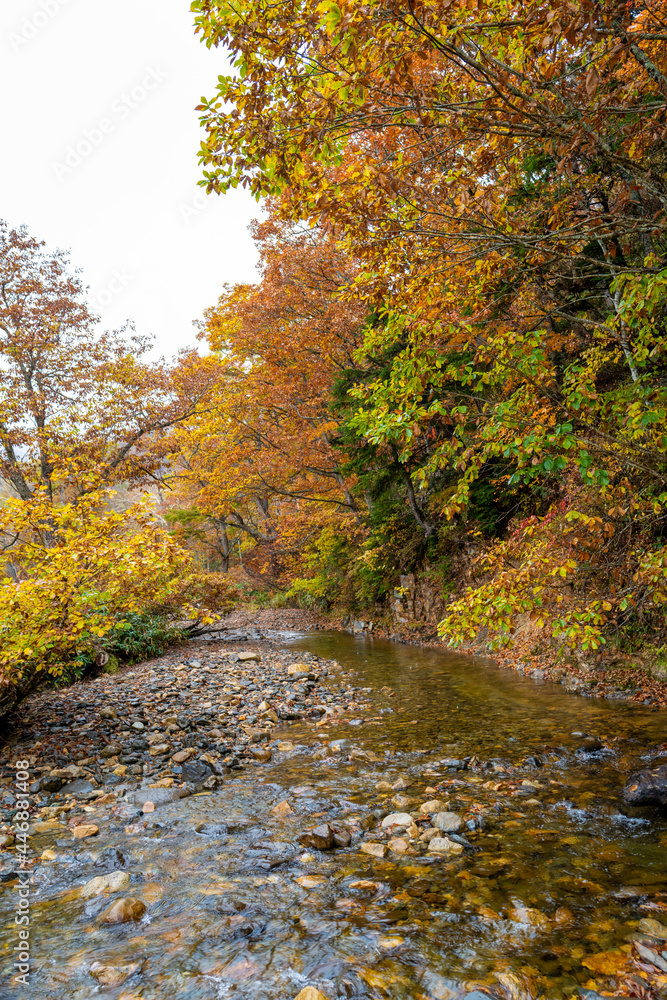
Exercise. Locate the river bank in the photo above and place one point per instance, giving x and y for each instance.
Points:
(363, 818)
(616, 677)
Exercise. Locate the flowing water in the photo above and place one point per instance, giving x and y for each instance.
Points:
(560, 871)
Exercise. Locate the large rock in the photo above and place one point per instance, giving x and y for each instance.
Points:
(648, 787)
(196, 771)
(443, 845)
(123, 911)
(396, 819)
(113, 882)
(158, 796)
(321, 838)
(447, 822)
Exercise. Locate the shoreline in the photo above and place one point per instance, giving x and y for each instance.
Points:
(617, 681)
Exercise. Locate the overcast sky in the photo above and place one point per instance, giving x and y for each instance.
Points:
(100, 147)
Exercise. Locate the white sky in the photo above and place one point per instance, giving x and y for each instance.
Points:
(152, 246)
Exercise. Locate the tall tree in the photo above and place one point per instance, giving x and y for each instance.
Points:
(76, 406)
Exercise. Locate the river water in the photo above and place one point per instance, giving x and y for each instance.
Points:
(559, 872)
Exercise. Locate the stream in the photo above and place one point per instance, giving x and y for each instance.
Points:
(555, 870)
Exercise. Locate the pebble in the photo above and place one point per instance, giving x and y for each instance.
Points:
(447, 822)
(652, 957)
(113, 882)
(653, 928)
(443, 845)
(374, 849)
(85, 830)
(282, 809)
(158, 796)
(123, 911)
(310, 881)
(321, 838)
(396, 819)
(527, 915)
(432, 806)
(399, 845)
(310, 993)
(111, 975)
(175, 714)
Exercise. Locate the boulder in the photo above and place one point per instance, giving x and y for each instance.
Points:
(647, 787)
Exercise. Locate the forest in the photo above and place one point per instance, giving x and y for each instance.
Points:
(452, 367)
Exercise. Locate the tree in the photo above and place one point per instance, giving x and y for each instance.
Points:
(78, 568)
(73, 401)
(498, 173)
(260, 461)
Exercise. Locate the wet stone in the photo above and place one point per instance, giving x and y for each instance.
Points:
(647, 787)
(447, 822)
(321, 838)
(123, 911)
(158, 796)
(396, 819)
(196, 771)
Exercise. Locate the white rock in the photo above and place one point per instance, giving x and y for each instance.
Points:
(396, 819)
(112, 882)
(448, 822)
(443, 845)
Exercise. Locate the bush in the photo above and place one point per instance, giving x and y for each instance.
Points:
(81, 572)
(140, 636)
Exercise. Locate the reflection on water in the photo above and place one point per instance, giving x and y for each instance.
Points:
(237, 908)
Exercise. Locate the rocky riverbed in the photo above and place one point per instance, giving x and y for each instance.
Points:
(257, 819)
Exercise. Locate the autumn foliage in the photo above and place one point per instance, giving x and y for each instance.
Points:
(77, 568)
(452, 363)
(82, 413)
(494, 175)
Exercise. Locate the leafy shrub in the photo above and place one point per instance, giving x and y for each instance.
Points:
(79, 571)
(140, 636)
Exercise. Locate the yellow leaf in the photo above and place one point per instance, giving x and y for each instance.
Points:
(606, 963)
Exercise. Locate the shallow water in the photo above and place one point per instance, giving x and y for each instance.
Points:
(228, 918)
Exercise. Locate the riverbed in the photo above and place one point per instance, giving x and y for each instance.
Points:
(542, 895)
